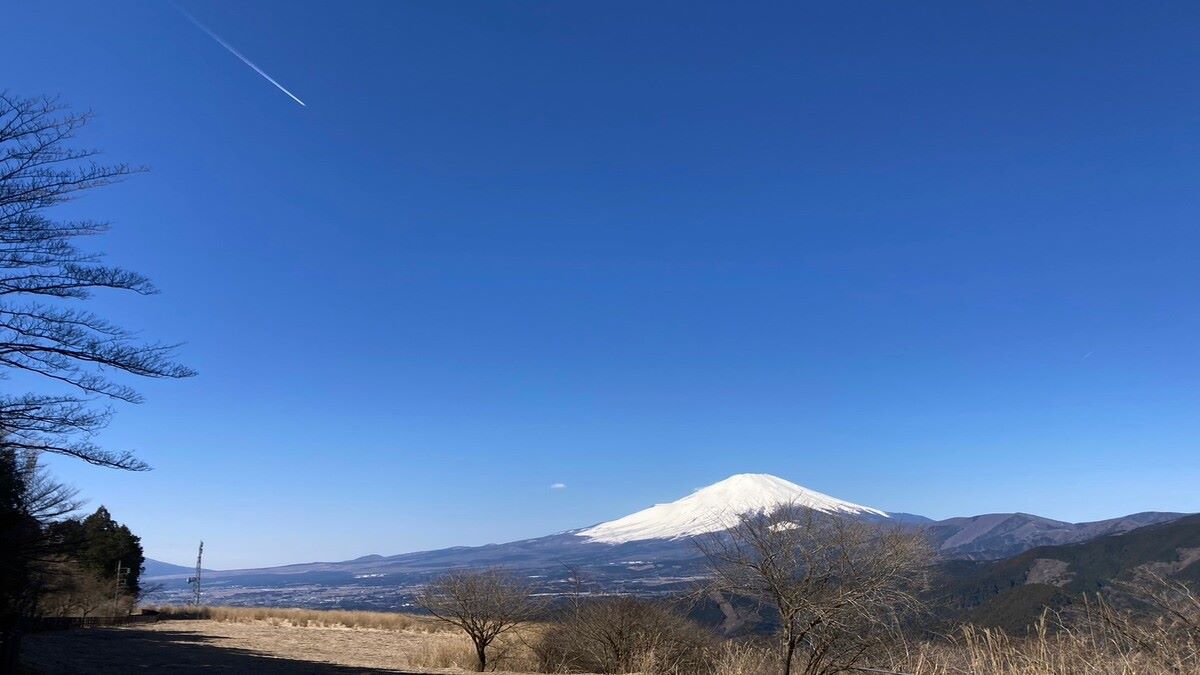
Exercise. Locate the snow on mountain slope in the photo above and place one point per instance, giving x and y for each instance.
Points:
(716, 508)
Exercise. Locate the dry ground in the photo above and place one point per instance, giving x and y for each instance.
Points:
(270, 647)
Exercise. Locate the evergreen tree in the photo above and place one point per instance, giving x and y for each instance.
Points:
(98, 544)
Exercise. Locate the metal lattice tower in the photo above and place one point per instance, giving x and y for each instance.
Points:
(195, 581)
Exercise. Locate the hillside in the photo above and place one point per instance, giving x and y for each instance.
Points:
(159, 569)
(1012, 592)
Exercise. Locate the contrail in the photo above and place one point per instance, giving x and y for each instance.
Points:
(238, 54)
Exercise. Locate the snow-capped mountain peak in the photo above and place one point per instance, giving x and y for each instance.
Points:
(716, 508)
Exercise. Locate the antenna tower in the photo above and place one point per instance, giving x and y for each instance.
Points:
(195, 581)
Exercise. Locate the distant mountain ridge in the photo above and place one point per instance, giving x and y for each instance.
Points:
(999, 535)
(647, 552)
(158, 568)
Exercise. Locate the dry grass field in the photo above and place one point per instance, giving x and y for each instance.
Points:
(284, 642)
(309, 618)
(271, 644)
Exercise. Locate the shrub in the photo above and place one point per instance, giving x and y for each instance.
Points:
(623, 635)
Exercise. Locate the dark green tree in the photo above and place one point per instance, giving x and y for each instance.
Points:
(98, 544)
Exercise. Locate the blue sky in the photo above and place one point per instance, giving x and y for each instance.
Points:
(938, 258)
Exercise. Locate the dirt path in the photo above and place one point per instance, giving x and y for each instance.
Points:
(219, 647)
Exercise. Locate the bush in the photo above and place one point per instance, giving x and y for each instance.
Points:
(622, 635)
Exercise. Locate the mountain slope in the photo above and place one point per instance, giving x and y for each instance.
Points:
(158, 568)
(1012, 592)
(999, 535)
(717, 508)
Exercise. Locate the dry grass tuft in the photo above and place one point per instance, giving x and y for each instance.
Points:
(733, 658)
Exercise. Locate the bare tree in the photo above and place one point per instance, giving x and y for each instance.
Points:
(42, 271)
(836, 584)
(485, 604)
(46, 499)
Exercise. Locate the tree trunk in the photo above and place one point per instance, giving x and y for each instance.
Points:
(789, 650)
(481, 652)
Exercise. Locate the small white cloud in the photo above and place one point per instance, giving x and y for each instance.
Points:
(558, 486)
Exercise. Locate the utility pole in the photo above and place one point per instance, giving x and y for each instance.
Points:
(195, 581)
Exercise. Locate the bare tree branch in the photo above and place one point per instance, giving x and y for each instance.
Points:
(836, 584)
(42, 269)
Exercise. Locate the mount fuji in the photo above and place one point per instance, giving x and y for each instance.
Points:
(648, 552)
(717, 508)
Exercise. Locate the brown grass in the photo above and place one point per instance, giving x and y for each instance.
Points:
(206, 646)
(981, 651)
(428, 643)
(1076, 652)
(310, 618)
(1099, 640)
